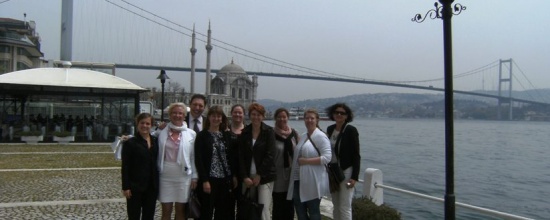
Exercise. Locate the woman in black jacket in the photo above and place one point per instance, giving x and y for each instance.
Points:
(344, 140)
(214, 165)
(256, 158)
(139, 170)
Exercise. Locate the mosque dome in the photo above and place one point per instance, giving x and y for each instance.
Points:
(232, 68)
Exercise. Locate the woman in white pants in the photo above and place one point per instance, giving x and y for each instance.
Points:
(256, 158)
(344, 140)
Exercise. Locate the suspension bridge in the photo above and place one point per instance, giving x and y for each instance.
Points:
(141, 39)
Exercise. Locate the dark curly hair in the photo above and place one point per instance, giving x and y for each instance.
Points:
(331, 109)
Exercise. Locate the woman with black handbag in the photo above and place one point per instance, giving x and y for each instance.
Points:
(346, 158)
(256, 158)
(213, 162)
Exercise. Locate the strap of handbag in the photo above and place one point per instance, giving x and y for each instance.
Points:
(339, 139)
(315, 146)
(317, 149)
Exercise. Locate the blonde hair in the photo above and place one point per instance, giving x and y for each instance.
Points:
(177, 104)
(312, 111)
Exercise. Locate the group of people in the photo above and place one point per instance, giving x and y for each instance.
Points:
(222, 161)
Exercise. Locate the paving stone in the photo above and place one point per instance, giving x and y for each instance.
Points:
(69, 194)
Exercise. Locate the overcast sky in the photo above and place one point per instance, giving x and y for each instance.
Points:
(370, 39)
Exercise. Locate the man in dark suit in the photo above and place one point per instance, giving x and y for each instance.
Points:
(195, 119)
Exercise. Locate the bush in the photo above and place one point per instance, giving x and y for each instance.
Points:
(30, 133)
(61, 133)
(364, 208)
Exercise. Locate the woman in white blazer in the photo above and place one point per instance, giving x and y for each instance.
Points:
(309, 179)
(176, 162)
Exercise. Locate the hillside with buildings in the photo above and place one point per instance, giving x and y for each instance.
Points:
(406, 105)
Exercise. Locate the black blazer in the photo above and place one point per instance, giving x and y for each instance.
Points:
(204, 149)
(139, 164)
(347, 148)
(263, 153)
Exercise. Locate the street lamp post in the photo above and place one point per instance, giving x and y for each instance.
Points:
(163, 77)
(445, 12)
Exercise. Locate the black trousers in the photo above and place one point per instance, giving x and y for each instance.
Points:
(283, 209)
(142, 204)
(219, 203)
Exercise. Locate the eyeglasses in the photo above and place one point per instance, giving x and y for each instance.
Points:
(340, 113)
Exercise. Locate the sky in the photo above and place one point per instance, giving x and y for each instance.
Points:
(367, 39)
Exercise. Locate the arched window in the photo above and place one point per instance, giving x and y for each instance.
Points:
(240, 93)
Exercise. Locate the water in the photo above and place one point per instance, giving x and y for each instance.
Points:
(498, 165)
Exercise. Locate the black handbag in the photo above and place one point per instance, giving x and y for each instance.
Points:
(334, 169)
(193, 208)
(335, 174)
(249, 208)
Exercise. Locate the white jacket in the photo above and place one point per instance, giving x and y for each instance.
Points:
(313, 178)
(186, 152)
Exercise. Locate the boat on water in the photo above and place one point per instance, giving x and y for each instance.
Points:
(297, 113)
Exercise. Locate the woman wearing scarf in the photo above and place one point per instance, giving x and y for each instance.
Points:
(285, 141)
(176, 162)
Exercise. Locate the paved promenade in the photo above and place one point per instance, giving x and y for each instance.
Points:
(84, 193)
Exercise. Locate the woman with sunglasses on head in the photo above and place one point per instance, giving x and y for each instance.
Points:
(344, 139)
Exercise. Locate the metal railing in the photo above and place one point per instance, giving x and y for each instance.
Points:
(374, 188)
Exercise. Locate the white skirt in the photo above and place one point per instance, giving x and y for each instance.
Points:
(174, 185)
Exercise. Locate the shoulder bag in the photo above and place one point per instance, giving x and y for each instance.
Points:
(335, 174)
(193, 206)
(249, 208)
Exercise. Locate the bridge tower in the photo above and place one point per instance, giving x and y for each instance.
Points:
(502, 83)
(66, 30)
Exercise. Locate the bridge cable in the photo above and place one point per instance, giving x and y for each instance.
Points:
(316, 72)
(467, 73)
(530, 83)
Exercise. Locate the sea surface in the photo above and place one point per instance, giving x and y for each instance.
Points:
(499, 165)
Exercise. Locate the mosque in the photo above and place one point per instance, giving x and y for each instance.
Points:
(231, 84)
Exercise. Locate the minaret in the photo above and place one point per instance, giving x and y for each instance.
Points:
(193, 52)
(208, 50)
(255, 87)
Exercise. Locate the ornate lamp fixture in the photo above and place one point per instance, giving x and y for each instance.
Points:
(445, 12)
(163, 77)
